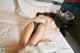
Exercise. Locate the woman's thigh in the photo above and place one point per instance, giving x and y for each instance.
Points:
(36, 37)
(26, 33)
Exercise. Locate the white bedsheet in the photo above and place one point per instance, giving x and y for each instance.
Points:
(11, 26)
(10, 29)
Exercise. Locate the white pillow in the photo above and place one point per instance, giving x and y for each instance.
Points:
(55, 7)
(29, 8)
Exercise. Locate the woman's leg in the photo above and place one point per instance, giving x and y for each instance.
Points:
(36, 37)
(26, 33)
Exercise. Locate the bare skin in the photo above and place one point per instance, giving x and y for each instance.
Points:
(26, 33)
(49, 22)
(28, 38)
(36, 37)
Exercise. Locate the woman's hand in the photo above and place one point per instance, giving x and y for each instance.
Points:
(57, 29)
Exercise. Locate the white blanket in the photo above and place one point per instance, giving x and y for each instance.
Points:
(11, 26)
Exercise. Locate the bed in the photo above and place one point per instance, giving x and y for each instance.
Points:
(11, 26)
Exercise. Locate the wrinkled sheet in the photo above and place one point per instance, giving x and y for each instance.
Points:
(11, 26)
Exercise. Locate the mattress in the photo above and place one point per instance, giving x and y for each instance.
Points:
(11, 26)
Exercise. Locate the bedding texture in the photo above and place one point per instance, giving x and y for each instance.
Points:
(16, 24)
(12, 22)
(29, 8)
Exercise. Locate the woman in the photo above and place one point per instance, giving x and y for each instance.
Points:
(8, 44)
(34, 31)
